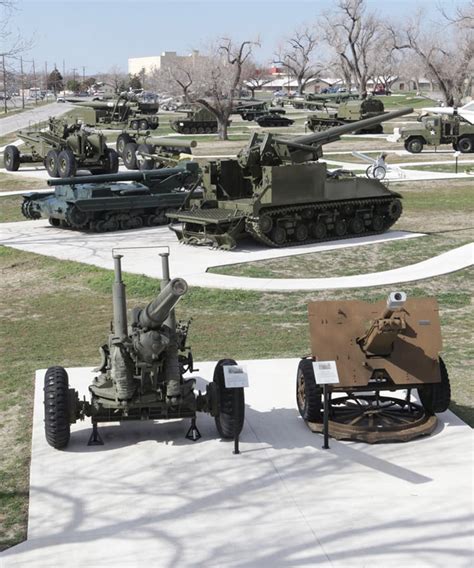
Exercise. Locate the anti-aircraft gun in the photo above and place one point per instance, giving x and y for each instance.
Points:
(142, 151)
(64, 147)
(392, 346)
(277, 192)
(112, 202)
(141, 374)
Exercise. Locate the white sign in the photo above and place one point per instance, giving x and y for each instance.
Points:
(325, 372)
(235, 376)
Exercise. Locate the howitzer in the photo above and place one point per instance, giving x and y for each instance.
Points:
(141, 374)
(375, 348)
(330, 114)
(277, 192)
(112, 202)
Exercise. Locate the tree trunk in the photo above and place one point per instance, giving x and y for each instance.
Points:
(222, 128)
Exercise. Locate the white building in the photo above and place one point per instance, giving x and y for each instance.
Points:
(157, 62)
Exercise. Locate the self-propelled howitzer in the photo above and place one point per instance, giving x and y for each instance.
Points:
(277, 192)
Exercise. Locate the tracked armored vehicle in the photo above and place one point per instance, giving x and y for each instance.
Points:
(256, 109)
(64, 148)
(111, 202)
(277, 192)
(198, 120)
(380, 353)
(329, 115)
(141, 375)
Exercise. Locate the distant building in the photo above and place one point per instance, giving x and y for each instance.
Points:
(157, 62)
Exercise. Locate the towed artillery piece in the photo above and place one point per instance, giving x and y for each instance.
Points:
(312, 101)
(199, 120)
(144, 152)
(375, 348)
(328, 115)
(111, 202)
(141, 374)
(64, 148)
(278, 193)
(255, 109)
(123, 112)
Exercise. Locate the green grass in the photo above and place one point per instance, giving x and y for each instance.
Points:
(447, 168)
(10, 209)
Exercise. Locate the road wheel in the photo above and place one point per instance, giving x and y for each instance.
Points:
(145, 164)
(11, 158)
(67, 165)
(356, 226)
(122, 140)
(76, 218)
(319, 230)
(414, 145)
(466, 145)
(435, 397)
(143, 124)
(56, 407)
(377, 223)
(51, 163)
(308, 393)
(266, 223)
(227, 423)
(301, 232)
(278, 235)
(129, 156)
(395, 209)
(340, 227)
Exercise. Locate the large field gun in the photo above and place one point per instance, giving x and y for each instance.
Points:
(329, 114)
(377, 349)
(277, 192)
(141, 374)
(113, 202)
(63, 147)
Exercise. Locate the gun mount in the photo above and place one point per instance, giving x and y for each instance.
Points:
(113, 202)
(329, 114)
(142, 373)
(377, 348)
(277, 192)
(145, 152)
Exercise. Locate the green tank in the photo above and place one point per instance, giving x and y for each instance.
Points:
(111, 202)
(314, 101)
(278, 193)
(198, 120)
(141, 373)
(64, 148)
(331, 114)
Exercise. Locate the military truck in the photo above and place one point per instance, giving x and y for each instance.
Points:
(199, 120)
(374, 351)
(432, 130)
(347, 112)
(141, 374)
(112, 202)
(125, 111)
(64, 147)
(278, 193)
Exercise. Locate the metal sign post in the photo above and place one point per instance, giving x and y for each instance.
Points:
(325, 373)
(236, 377)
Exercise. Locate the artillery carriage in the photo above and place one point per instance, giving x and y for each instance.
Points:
(328, 115)
(141, 375)
(277, 192)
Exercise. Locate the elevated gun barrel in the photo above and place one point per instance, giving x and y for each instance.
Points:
(122, 176)
(154, 315)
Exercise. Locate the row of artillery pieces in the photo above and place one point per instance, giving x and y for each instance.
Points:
(375, 351)
(276, 191)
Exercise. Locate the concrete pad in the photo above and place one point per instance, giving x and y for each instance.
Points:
(151, 498)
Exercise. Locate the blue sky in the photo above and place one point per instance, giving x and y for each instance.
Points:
(99, 34)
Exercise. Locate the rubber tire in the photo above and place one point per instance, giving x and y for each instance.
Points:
(145, 164)
(122, 140)
(466, 145)
(51, 163)
(311, 407)
(134, 124)
(143, 124)
(111, 161)
(67, 164)
(129, 157)
(11, 158)
(225, 421)
(414, 145)
(435, 397)
(56, 407)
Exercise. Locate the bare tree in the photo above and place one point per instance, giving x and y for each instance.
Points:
(297, 56)
(255, 76)
(446, 54)
(354, 35)
(220, 79)
(115, 78)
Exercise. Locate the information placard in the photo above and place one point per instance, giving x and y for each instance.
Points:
(235, 376)
(325, 372)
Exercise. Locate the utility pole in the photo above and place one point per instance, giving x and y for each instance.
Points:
(46, 76)
(74, 76)
(22, 84)
(4, 84)
(34, 83)
(83, 76)
(64, 77)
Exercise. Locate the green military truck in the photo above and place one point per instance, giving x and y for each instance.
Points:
(435, 130)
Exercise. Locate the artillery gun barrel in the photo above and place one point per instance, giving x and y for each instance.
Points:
(103, 104)
(155, 314)
(172, 142)
(332, 134)
(122, 176)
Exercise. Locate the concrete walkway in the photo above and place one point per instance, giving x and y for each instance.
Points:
(149, 497)
(32, 116)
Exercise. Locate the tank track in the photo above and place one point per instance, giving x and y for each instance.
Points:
(28, 211)
(254, 229)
